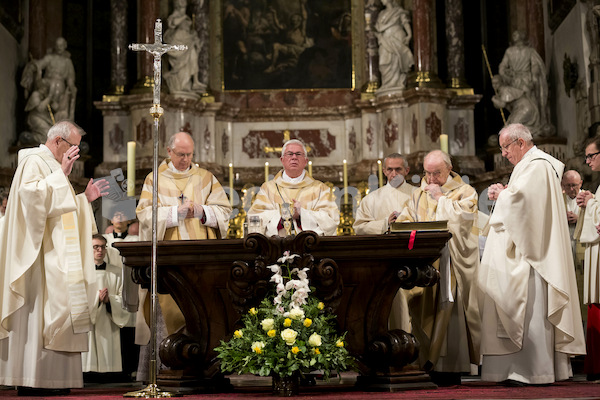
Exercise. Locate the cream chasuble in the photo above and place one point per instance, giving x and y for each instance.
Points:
(590, 238)
(372, 219)
(47, 276)
(319, 211)
(199, 186)
(528, 256)
(437, 323)
(104, 353)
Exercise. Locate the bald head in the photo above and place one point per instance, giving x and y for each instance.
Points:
(571, 183)
(180, 148)
(437, 166)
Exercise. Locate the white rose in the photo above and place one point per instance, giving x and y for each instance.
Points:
(289, 335)
(314, 340)
(267, 324)
(297, 313)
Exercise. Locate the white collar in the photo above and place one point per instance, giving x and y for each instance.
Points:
(297, 179)
(172, 167)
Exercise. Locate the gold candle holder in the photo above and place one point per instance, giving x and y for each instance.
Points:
(346, 220)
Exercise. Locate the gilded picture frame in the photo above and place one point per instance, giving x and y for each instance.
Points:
(287, 44)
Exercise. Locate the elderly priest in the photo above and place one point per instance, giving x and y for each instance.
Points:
(531, 320)
(48, 279)
(293, 201)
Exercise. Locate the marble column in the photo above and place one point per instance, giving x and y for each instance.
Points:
(118, 48)
(535, 26)
(424, 75)
(455, 36)
(147, 13)
(372, 51)
(37, 28)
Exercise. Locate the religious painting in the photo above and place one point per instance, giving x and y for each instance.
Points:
(558, 11)
(287, 44)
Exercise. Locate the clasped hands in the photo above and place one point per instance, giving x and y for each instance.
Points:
(583, 197)
(494, 191)
(103, 295)
(189, 209)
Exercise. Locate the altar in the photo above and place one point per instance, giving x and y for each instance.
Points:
(357, 277)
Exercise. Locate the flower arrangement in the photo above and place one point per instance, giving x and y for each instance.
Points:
(289, 333)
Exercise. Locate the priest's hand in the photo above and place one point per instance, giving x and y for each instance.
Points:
(494, 190)
(583, 197)
(598, 229)
(393, 216)
(68, 159)
(103, 295)
(297, 208)
(198, 211)
(186, 210)
(95, 189)
(434, 191)
(571, 217)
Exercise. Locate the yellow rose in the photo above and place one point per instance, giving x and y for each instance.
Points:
(339, 343)
(307, 322)
(271, 333)
(238, 333)
(268, 324)
(295, 350)
(253, 311)
(257, 347)
(287, 322)
(320, 306)
(289, 335)
(314, 340)
(316, 350)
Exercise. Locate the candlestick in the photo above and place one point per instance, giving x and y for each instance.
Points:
(231, 184)
(380, 173)
(444, 142)
(267, 171)
(345, 182)
(131, 169)
(310, 169)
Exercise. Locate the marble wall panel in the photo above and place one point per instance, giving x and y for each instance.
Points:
(117, 132)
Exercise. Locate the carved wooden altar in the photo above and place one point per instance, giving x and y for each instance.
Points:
(357, 277)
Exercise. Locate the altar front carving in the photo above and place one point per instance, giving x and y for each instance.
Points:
(357, 277)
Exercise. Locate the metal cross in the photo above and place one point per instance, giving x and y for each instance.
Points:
(157, 49)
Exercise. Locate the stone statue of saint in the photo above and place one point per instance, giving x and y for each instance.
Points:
(182, 76)
(393, 32)
(522, 88)
(50, 92)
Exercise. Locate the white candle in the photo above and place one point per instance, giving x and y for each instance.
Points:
(380, 173)
(345, 182)
(267, 171)
(444, 142)
(231, 184)
(131, 169)
(310, 169)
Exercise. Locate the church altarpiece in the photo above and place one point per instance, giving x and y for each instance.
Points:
(243, 127)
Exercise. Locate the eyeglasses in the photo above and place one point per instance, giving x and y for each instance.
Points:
(505, 148)
(572, 185)
(434, 174)
(290, 154)
(99, 246)
(69, 143)
(182, 155)
(590, 157)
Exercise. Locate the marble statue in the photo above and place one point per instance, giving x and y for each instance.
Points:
(393, 32)
(521, 87)
(182, 75)
(50, 92)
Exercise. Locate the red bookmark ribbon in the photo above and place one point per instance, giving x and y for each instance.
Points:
(411, 240)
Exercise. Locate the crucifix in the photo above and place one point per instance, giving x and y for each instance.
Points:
(157, 49)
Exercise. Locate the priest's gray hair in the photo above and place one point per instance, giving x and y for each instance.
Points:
(294, 141)
(441, 154)
(517, 131)
(396, 155)
(171, 141)
(63, 129)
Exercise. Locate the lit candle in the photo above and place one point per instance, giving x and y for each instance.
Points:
(380, 173)
(310, 169)
(231, 184)
(131, 169)
(345, 182)
(444, 142)
(267, 171)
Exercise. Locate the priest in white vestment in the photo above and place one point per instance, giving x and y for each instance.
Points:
(47, 275)
(293, 202)
(571, 186)
(375, 213)
(192, 205)
(108, 317)
(591, 275)
(531, 320)
(445, 317)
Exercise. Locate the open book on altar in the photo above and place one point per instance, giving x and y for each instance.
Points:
(431, 226)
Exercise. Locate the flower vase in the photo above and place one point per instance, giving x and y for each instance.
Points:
(286, 386)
